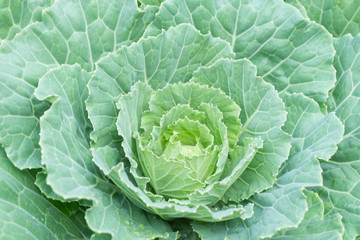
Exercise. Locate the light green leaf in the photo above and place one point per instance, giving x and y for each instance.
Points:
(339, 17)
(40, 182)
(274, 209)
(17, 14)
(64, 137)
(169, 177)
(106, 158)
(168, 58)
(169, 210)
(341, 187)
(314, 136)
(194, 95)
(26, 214)
(70, 32)
(292, 53)
(150, 119)
(314, 225)
(239, 159)
(132, 107)
(263, 114)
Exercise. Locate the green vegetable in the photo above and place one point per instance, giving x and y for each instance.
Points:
(179, 119)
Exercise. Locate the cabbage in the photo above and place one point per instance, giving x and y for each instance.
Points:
(179, 119)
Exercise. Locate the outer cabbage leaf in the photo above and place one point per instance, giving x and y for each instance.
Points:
(292, 53)
(341, 187)
(314, 136)
(16, 15)
(71, 173)
(40, 182)
(26, 214)
(314, 225)
(284, 205)
(339, 17)
(70, 32)
(274, 209)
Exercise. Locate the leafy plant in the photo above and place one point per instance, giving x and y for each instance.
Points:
(180, 119)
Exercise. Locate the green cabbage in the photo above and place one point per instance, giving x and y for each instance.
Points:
(179, 119)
